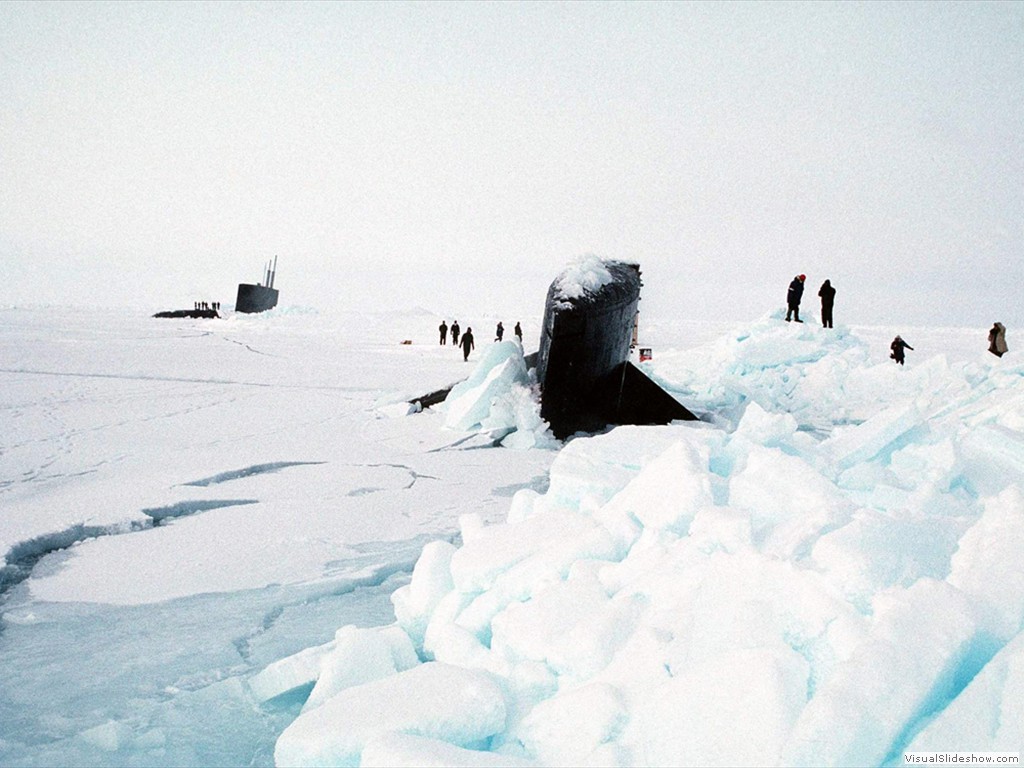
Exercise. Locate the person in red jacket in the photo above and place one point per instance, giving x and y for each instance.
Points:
(796, 292)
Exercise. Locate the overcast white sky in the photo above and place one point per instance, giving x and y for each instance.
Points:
(456, 155)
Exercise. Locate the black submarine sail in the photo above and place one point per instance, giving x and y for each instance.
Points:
(586, 379)
(583, 367)
(259, 297)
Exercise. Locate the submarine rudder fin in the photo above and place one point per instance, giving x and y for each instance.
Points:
(627, 395)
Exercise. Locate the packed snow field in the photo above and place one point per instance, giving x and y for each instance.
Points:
(230, 542)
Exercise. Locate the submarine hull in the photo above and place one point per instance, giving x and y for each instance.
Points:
(255, 298)
(193, 313)
(586, 379)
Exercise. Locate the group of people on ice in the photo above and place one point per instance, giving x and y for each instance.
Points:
(466, 340)
(898, 347)
(996, 344)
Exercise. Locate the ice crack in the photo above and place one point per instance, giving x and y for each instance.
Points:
(414, 476)
(186, 508)
(348, 585)
(255, 469)
(23, 556)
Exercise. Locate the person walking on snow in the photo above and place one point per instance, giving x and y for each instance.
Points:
(997, 340)
(455, 332)
(897, 347)
(499, 331)
(828, 298)
(796, 292)
(443, 329)
(518, 332)
(467, 343)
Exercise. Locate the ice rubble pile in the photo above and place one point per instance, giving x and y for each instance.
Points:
(805, 587)
(498, 399)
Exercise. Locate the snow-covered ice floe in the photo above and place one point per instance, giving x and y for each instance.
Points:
(828, 573)
(184, 503)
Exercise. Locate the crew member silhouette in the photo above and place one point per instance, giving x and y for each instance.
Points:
(518, 332)
(997, 340)
(455, 332)
(443, 330)
(796, 292)
(897, 347)
(499, 331)
(467, 343)
(828, 299)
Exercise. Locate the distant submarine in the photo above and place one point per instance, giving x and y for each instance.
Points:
(259, 297)
(193, 313)
(586, 379)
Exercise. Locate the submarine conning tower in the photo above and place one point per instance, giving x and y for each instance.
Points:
(588, 325)
(587, 381)
(587, 330)
(259, 297)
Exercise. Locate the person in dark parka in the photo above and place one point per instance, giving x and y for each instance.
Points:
(467, 343)
(499, 331)
(443, 329)
(828, 299)
(455, 332)
(796, 292)
(897, 347)
(518, 332)
(997, 340)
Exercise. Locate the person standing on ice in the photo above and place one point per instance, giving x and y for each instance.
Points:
(467, 343)
(997, 340)
(443, 329)
(828, 299)
(455, 332)
(796, 292)
(518, 332)
(499, 331)
(897, 347)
